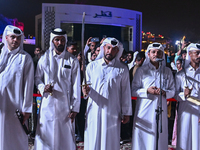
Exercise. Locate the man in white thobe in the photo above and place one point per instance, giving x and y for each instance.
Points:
(146, 87)
(187, 85)
(109, 101)
(58, 80)
(16, 89)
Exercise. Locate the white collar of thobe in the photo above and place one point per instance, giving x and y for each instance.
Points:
(111, 63)
(190, 68)
(13, 51)
(62, 55)
(151, 66)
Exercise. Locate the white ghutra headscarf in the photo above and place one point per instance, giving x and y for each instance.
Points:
(50, 60)
(4, 52)
(114, 42)
(154, 46)
(191, 47)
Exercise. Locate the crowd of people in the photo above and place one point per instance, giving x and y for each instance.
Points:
(98, 109)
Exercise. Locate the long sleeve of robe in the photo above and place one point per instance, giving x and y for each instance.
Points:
(16, 92)
(109, 100)
(144, 124)
(55, 130)
(188, 126)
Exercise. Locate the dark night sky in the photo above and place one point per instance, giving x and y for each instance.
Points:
(170, 18)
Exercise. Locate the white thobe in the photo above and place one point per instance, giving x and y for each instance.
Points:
(16, 92)
(109, 99)
(54, 129)
(188, 128)
(144, 124)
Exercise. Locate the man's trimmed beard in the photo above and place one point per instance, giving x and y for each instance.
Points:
(60, 47)
(108, 58)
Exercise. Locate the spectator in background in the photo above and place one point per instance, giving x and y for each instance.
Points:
(123, 57)
(140, 57)
(37, 54)
(183, 54)
(79, 57)
(93, 56)
(179, 64)
(89, 49)
(97, 49)
(129, 58)
(72, 47)
(169, 58)
(174, 136)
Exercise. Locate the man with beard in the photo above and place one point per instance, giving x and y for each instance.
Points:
(16, 86)
(187, 85)
(58, 80)
(109, 101)
(146, 87)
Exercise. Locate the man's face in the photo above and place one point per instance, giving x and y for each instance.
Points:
(155, 53)
(13, 41)
(183, 55)
(92, 47)
(59, 43)
(97, 51)
(129, 57)
(139, 63)
(37, 51)
(178, 65)
(93, 57)
(195, 56)
(72, 49)
(110, 52)
(79, 57)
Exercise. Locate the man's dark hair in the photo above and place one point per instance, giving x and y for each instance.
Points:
(140, 55)
(180, 59)
(38, 47)
(69, 43)
(130, 52)
(92, 54)
(97, 45)
(183, 52)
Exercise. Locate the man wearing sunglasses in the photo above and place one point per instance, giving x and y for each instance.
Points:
(187, 86)
(109, 101)
(146, 87)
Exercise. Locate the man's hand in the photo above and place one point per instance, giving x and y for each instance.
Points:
(151, 90)
(89, 41)
(48, 88)
(86, 90)
(179, 52)
(155, 91)
(187, 91)
(102, 40)
(125, 119)
(72, 115)
(25, 116)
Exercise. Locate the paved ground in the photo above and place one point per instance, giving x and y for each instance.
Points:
(126, 146)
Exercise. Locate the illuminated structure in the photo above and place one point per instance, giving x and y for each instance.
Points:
(124, 24)
(148, 38)
(5, 21)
